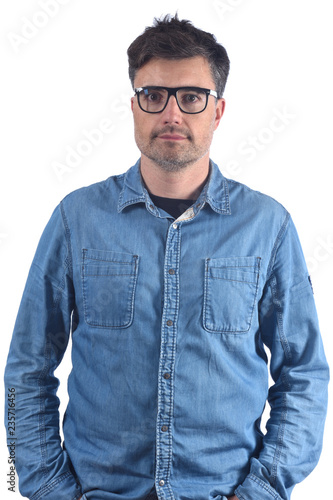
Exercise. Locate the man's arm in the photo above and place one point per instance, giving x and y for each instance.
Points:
(39, 341)
(298, 398)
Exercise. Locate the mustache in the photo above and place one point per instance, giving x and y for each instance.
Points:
(171, 130)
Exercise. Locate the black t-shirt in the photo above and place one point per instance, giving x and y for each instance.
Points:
(173, 206)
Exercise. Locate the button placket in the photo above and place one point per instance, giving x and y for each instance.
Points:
(166, 365)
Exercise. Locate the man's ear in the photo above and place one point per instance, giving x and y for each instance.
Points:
(220, 107)
(132, 103)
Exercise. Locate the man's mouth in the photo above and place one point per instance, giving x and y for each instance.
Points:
(172, 137)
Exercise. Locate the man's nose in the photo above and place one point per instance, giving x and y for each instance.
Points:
(172, 113)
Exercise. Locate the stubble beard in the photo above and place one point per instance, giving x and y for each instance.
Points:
(171, 156)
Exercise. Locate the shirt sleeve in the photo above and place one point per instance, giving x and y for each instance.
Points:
(298, 398)
(40, 338)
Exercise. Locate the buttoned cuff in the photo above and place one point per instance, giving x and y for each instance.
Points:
(63, 487)
(254, 488)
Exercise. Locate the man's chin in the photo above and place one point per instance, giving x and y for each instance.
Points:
(172, 163)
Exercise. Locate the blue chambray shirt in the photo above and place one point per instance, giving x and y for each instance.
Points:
(169, 322)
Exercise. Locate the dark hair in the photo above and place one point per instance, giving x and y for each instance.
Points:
(172, 38)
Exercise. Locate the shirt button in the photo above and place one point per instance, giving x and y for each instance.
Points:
(162, 482)
(169, 322)
(172, 271)
(164, 428)
(167, 376)
(174, 225)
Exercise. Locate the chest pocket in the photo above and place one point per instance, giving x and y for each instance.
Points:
(109, 282)
(231, 286)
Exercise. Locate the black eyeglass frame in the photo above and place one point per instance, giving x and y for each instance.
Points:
(173, 91)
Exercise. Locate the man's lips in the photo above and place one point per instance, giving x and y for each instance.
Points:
(172, 137)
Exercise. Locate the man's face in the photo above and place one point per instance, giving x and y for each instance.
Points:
(173, 139)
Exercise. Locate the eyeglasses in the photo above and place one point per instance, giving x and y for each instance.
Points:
(190, 100)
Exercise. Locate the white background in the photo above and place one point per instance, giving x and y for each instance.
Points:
(64, 72)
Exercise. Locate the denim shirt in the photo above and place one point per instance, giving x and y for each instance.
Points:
(171, 324)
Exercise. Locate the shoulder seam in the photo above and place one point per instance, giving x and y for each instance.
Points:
(68, 237)
(276, 245)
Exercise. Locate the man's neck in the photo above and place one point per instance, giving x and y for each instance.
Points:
(184, 184)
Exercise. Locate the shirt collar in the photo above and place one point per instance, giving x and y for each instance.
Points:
(215, 191)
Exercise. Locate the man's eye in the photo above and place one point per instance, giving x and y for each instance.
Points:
(153, 97)
(190, 97)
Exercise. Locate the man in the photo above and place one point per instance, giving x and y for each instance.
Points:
(171, 280)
